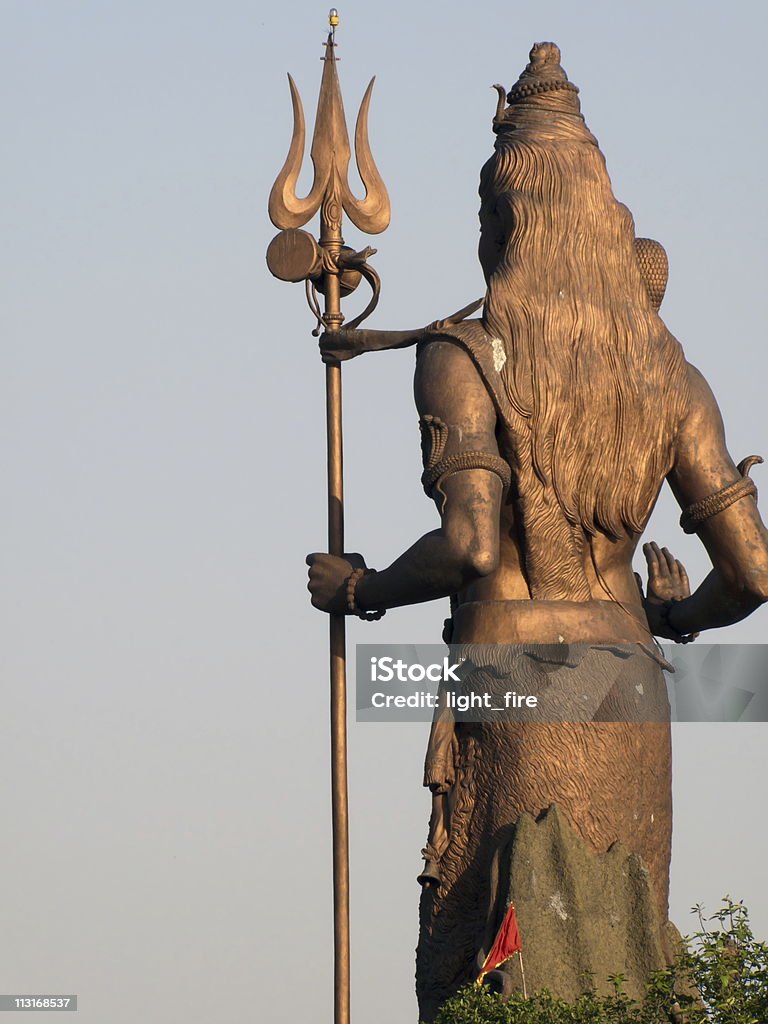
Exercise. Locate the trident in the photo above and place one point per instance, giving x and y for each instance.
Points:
(335, 270)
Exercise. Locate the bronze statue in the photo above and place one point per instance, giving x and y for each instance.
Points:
(548, 427)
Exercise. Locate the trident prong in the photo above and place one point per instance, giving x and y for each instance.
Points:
(330, 154)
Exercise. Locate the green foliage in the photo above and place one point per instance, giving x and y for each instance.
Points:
(474, 1005)
(722, 962)
(728, 966)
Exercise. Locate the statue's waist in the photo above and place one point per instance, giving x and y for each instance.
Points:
(546, 622)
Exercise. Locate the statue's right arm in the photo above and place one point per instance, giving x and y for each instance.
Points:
(343, 344)
(336, 346)
(466, 547)
(735, 538)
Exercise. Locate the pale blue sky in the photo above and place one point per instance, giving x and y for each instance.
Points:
(165, 783)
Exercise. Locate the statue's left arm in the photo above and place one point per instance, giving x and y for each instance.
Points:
(465, 475)
(719, 504)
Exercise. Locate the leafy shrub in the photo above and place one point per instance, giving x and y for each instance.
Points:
(728, 966)
(723, 962)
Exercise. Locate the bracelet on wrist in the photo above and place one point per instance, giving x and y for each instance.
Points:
(675, 634)
(352, 606)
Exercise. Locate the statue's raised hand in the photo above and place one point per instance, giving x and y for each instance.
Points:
(667, 584)
(667, 578)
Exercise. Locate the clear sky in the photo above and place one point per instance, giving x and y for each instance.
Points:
(165, 783)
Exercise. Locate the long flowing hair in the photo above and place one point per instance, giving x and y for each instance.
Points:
(595, 383)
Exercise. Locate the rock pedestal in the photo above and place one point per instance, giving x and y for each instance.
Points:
(583, 915)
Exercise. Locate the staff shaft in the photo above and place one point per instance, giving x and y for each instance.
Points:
(293, 257)
(338, 670)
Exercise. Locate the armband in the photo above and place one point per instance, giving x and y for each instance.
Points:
(465, 460)
(434, 437)
(707, 507)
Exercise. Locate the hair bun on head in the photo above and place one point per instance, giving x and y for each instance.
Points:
(544, 53)
(543, 87)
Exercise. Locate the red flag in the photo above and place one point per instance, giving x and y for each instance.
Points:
(507, 943)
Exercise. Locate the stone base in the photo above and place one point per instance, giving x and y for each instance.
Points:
(583, 916)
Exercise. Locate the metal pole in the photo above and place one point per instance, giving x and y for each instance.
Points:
(338, 670)
(330, 193)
